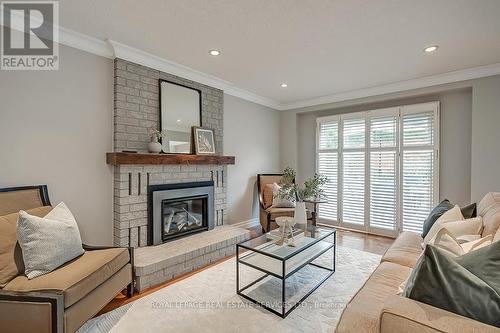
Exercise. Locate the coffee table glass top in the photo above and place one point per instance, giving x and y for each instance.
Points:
(266, 245)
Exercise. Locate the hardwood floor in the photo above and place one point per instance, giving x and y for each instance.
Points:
(345, 238)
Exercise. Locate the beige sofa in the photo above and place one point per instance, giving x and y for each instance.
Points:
(376, 307)
(64, 299)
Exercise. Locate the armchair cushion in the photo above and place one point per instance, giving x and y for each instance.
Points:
(277, 212)
(11, 257)
(77, 278)
(267, 195)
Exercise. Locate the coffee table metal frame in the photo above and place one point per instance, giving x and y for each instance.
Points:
(285, 275)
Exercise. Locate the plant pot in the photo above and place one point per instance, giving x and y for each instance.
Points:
(300, 213)
(154, 146)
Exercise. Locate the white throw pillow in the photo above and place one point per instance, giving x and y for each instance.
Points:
(48, 242)
(497, 236)
(446, 241)
(454, 214)
(279, 202)
(467, 228)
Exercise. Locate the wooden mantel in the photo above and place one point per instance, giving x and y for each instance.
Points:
(155, 159)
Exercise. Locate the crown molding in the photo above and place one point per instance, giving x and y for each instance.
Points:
(112, 49)
(131, 54)
(423, 82)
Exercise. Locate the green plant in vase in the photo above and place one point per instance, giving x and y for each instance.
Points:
(291, 191)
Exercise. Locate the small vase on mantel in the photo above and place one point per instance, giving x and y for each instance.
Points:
(154, 146)
(300, 214)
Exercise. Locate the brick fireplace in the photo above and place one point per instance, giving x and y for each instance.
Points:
(136, 111)
(190, 230)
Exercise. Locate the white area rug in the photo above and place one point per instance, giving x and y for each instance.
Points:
(207, 301)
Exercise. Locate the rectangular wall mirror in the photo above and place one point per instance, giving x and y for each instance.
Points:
(180, 109)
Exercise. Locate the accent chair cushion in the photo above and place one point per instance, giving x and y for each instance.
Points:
(277, 212)
(467, 285)
(435, 214)
(267, 195)
(11, 257)
(48, 242)
(78, 277)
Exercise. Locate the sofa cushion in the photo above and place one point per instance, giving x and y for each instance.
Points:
(363, 311)
(405, 250)
(78, 277)
(489, 209)
(11, 257)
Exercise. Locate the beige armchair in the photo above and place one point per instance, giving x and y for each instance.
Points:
(268, 214)
(62, 300)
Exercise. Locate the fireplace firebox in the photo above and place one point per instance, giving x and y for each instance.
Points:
(177, 210)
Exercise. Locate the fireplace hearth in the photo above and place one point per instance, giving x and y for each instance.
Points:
(178, 210)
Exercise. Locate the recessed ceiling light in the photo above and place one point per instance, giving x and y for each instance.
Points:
(283, 85)
(178, 120)
(430, 49)
(214, 52)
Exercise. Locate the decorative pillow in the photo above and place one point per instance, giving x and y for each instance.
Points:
(497, 236)
(267, 195)
(11, 257)
(435, 214)
(48, 242)
(445, 240)
(469, 211)
(472, 226)
(451, 215)
(279, 202)
(467, 285)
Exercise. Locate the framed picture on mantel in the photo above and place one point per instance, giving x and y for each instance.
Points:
(204, 143)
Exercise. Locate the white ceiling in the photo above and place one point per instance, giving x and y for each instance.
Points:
(319, 47)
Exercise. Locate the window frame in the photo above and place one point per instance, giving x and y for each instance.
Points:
(398, 112)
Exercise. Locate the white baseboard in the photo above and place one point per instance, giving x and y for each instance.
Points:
(248, 223)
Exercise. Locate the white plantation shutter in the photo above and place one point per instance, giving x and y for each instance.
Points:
(327, 165)
(353, 190)
(419, 163)
(383, 191)
(382, 165)
(383, 171)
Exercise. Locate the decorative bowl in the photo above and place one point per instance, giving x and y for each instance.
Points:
(285, 220)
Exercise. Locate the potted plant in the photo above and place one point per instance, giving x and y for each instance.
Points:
(291, 191)
(155, 146)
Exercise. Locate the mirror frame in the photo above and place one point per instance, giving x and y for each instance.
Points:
(160, 81)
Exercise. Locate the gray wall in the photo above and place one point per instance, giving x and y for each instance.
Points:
(55, 128)
(251, 133)
(455, 157)
(485, 137)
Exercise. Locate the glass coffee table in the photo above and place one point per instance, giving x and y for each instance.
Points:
(283, 261)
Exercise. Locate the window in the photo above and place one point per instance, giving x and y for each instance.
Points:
(382, 167)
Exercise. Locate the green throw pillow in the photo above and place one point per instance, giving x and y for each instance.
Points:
(436, 213)
(468, 285)
(469, 211)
